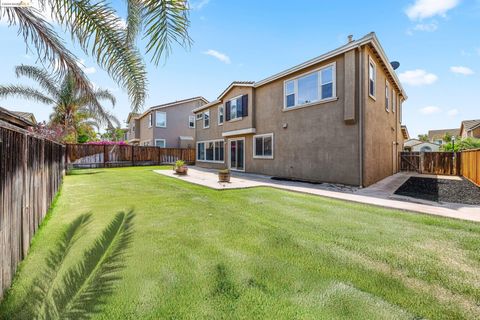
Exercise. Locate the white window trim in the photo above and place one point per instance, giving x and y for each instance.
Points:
(156, 123)
(209, 120)
(199, 116)
(371, 62)
(255, 146)
(218, 115)
(150, 120)
(190, 117)
(320, 100)
(388, 96)
(230, 156)
(164, 143)
(236, 118)
(394, 100)
(205, 151)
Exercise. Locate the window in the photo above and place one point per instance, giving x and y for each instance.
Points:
(161, 119)
(150, 120)
(160, 143)
(372, 79)
(220, 114)
(236, 108)
(315, 86)
(387, 96)
(191, 121)
(263, 146)
(211, 151)
(199, 116)
(206, 119)
(394, 101)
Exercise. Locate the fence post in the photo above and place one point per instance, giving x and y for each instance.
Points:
(133, 159)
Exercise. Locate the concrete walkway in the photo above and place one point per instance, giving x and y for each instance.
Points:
(380, 194)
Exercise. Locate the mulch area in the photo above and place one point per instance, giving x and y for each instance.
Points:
(443, 190)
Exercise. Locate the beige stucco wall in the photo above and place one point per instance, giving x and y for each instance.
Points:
(245, 122)
(382, 132)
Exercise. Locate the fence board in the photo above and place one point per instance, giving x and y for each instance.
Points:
(95, 156)
(471, 165)
(31, 171)
(444, 163)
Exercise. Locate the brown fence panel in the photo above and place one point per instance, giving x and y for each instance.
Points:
(31, 171)
(444, 163)
(471, 165)
(409, 161)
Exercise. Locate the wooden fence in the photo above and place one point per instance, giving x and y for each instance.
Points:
(471, 165)
(31, 171)
(94, 156)
(445, 163)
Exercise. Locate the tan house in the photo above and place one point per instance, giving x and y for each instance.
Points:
(170, 125)
(335, 118)
(470, 128)
(438, 136)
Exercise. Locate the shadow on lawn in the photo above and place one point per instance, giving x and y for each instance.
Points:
(81, 290)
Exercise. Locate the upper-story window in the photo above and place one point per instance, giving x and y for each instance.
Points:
(191, 121)
(150, 120)
(220, 114)
(394, 101)
(315, 86)
(199, 116)
(236, 108)
(387, 96)
(160, 119)
(372, 78)
(206, 119)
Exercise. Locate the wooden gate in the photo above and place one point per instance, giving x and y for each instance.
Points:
(444, 163)
(409, 161)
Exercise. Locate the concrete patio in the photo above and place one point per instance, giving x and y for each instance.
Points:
(380, 194)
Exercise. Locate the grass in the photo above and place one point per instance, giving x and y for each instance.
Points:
(245, 254)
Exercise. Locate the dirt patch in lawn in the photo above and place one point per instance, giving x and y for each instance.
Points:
(456, 191)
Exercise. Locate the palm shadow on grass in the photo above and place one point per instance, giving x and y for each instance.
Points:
(80, 291)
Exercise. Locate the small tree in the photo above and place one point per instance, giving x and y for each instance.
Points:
(464, 144)
(423, 137)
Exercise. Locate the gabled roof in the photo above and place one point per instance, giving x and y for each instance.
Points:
(168, 105)
(470, 124)
(14, 119)
(132, 115)
(405, 133)
(236, 84)
(205, 106)
(27, 115)
(416, 142)
(439, 134)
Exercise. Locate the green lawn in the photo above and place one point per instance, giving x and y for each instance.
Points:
(190, 252)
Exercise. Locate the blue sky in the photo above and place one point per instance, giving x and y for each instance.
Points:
(436, 42)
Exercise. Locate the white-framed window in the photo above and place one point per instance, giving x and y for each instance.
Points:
(372, 78)
(160, 119)
(394, 101)
(150, 120)
(211, 151)
(263, 146)
(387, 96)
(191, 122)
(206, 119)
(221, 114)
(199, 116)
(160, 143)
(312, 87)
(146, 143)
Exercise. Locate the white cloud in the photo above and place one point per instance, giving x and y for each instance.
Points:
(452, 113)
(427, 27)
(422, 9)
(418, 77)
(430, 110)
(198, 5)
(462, 70)
(87, 70)
(218, 55)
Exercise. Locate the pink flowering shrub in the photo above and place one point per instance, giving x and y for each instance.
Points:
(107, 143)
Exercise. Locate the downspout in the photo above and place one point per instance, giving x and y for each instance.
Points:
(360, 114)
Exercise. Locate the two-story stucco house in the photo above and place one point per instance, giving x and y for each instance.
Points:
(335, 118)
(170, 125)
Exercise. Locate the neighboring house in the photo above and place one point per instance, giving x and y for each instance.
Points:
(335, 118)
(17, 118)
(416, 145)
(470, 128)
(170, 125)
(437, 136)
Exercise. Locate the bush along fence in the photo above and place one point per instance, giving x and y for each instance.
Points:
(471, 165)
(100, 156)
(31, 172)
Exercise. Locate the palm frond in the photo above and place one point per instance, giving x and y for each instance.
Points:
(135, 10)
(166, 22)
(24, 92)
(102, 94)
(85, 286)
(96, 28)
(39, 75)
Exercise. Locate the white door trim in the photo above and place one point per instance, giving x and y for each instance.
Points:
(230, 155)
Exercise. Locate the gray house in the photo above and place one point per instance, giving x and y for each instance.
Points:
(169, 125)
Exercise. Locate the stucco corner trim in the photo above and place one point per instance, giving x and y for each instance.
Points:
(239, 132)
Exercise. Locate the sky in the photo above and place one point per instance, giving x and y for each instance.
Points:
(435, 41)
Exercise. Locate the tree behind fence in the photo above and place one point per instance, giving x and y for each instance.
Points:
(31, 171)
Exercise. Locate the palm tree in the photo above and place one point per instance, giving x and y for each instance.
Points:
(100, 32)
(71, 107)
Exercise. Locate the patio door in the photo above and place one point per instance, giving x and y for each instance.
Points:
(237, 154)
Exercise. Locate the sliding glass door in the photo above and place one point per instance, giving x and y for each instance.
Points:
(237, 154)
